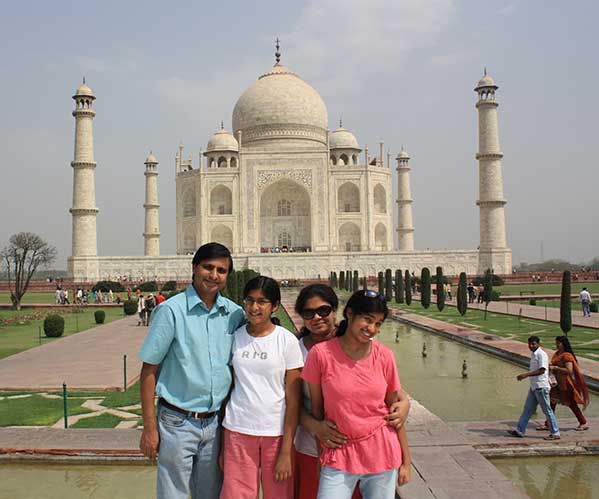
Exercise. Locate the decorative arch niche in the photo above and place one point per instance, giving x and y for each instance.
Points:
(223, 235)
(221, 201)
(285, 216)
(349, 237)
(380, 199)
(380, 237)
(189, 203)
(348, 198)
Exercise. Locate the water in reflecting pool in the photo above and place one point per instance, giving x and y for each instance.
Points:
(490, 392)
(573, 477)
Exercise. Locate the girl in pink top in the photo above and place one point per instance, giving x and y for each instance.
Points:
(353, 380)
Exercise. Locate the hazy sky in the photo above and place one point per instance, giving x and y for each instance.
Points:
(402, 71)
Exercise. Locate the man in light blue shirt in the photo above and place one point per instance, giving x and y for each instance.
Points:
(186, 364)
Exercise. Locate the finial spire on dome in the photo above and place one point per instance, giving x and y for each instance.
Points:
(277, 53)
(84, 80)
(485, 70)
(341, 122)
(222, 125)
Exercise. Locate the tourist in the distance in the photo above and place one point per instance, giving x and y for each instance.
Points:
(317, 305)
(538, 394)
(571, 389)
(353, 381)
(263, 412)
(585, 302)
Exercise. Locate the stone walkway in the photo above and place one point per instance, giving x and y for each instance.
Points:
(550, 314)
(91, 360)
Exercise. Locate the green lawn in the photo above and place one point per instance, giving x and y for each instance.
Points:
(23, 327)
(540, 288)
(36, 411)
(101, 421)
(582, 339)
(286, 322)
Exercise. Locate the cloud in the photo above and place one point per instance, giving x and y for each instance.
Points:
(126, 65)
(508, 10)
(342, 43)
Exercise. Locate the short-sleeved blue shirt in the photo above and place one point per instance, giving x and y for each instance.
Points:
(193, 346)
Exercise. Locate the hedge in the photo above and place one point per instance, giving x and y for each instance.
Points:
(130, 307)
(106, 286)
(99, 316)
(169, 286)
(54, 326)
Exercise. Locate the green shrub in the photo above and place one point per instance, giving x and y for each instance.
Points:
(106, 286)
(565, 308)
(54, 326)
(388, 285)
(425, 289)
(462, 294)
(99, 316)
(169, 286)
(594, 308)
(497, 280)
(532, 301)
(440, 280)
(170, 294)
(408, 287)
(130, 307)
(147, 287)
(495, 295)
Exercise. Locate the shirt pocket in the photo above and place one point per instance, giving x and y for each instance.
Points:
(171, 418)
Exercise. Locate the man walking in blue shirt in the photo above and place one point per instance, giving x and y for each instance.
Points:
(186, 364)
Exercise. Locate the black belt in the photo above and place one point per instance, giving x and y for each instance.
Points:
(197, 415)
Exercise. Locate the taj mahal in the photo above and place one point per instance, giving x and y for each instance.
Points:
(290, 198)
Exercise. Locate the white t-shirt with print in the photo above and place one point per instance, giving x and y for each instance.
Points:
(539, 359)
(257, 404)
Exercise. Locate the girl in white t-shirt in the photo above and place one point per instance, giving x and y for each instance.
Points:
(262, 414)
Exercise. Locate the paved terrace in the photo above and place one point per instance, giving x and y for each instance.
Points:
(542, 313)
(90, 360)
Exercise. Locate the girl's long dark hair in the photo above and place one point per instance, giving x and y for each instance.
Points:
(567, 347)
(322, 291)
(363, 302)
(270, 289)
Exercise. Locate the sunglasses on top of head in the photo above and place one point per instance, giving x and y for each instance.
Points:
(370, 293)
(309, 313)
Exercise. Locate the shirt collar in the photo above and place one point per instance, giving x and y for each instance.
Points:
(193, 300)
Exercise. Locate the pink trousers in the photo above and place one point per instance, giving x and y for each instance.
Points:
(249, 460)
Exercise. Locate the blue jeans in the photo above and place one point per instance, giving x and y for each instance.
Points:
(586, 308)
(337, 484)
(540, 397)
(188, 456)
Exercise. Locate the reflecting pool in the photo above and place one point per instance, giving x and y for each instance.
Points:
(490, 392)
(572, 477)
(77, 481)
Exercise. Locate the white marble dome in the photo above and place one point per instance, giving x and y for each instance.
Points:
(222, 141)
(151, 160)
(84, 91)
(280, 105)
(343, 139)
(486, 81)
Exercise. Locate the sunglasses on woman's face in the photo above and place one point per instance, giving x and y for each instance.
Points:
(309, 313)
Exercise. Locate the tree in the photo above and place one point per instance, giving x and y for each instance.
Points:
(565, 306)
(462, 294)
(22, 256)
(488, 289)
(381, 281)
(408, 283)
(425, 287)
(388, 285)
(342, 279)
(439, 283)
(356, 285)
(398, 286)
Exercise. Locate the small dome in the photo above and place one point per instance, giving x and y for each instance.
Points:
(151, 159)
(222, 141)
(486, 81)
(84, 91)
(342, 139)
(403, 154)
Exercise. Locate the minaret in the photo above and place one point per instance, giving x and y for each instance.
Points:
(84, 209)
(405, 227)
(490, 188)
(152, 230)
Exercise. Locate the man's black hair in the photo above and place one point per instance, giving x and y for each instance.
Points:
(210, 251)
(534, 338)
